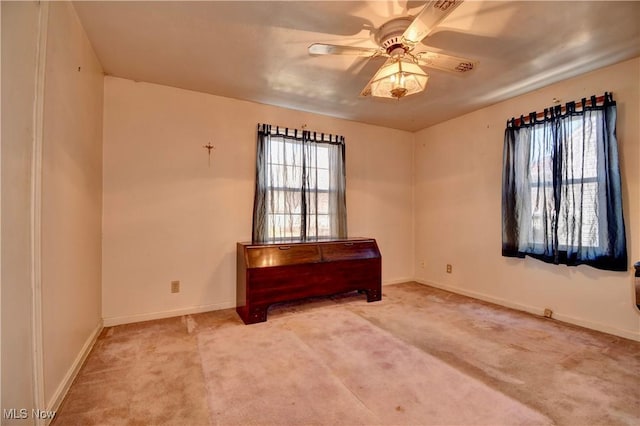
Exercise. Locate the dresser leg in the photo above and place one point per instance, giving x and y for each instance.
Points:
(257, 314)
(252, 314)
(373, 294)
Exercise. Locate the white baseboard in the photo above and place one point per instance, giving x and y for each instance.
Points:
(128, 319)
(63, 388)
(537, 310)
(627, 334)
(398, 281)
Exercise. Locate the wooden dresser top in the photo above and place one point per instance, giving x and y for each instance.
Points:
(283, 254)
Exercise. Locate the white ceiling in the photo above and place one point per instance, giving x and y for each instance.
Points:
(257, 51)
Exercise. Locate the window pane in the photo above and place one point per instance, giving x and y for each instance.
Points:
(542, 214)
(580, 147)
(281, 176)
(541, 155)
(284, 226)
(319, 226)
(578, 219)
(322, 157)
(284, 202)
(293, 153)
(318, 202)
(274, 151)
(323, 179)
(323, 202)
(324, 228)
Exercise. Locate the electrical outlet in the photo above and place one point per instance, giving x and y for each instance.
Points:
(548, 313)
(449, 268)
(175, 286)
(422, 264)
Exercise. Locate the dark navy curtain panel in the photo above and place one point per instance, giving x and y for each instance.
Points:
(561, 192)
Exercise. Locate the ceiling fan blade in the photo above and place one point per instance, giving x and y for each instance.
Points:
(430, 16)
(332, 49)
(444, 62)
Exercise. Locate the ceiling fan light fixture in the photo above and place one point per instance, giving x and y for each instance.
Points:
(397, 78)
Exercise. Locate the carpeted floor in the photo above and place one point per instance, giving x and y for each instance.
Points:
(420, 356)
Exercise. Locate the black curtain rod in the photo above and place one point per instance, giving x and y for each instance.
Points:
(296, 133)
(588, 102)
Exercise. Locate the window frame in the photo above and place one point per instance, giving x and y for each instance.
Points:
(545, 183)
(300, 186)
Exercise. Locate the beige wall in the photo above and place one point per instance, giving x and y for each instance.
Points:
(19, 43)
(71, 197)
(168, 216)
(51, 235)
(458, 211)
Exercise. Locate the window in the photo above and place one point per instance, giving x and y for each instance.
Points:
(284, 195)
(579, 189)
(300, 186)
(561, 187)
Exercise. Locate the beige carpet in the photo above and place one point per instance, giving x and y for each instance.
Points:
(333, 367)
(420, 356)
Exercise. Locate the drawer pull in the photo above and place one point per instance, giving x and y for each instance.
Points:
(284, 247)
(348, 244)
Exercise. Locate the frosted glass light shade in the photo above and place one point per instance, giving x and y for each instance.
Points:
(397, 78)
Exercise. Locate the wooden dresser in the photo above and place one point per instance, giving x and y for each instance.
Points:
(272, 273)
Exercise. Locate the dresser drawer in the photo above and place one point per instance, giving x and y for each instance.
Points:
(349, 250)
(282, 255)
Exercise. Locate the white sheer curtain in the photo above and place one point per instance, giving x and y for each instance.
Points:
(300, 186)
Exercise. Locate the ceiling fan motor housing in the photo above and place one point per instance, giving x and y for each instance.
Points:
(389, 36)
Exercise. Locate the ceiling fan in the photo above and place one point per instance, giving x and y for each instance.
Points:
(401, 75)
